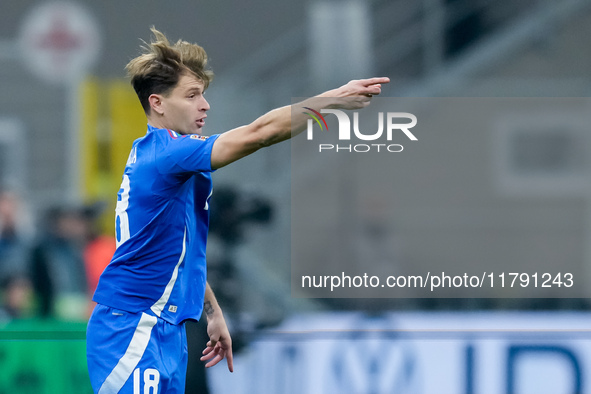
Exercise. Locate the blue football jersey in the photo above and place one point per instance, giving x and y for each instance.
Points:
(162, 220)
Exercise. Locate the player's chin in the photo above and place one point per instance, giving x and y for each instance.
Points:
(198, 129)
(194, 130)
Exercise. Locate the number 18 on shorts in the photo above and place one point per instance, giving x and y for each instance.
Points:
(135, 353)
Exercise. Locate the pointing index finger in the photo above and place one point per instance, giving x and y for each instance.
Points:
(230, 360)
(375, 81)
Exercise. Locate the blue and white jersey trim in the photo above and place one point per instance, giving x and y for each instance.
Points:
(158, 307)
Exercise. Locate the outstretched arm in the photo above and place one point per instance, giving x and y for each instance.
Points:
(220, 343)
(283, 123)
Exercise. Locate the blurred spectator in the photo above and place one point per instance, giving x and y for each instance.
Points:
(98, 250)
(17, 295)
(57, 265)
(15, 235)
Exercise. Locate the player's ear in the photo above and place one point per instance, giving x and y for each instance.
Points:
(155, 101)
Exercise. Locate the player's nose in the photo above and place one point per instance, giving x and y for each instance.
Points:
(204, 105)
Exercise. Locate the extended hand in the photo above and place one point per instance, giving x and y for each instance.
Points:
(357, 94)
(219, 345)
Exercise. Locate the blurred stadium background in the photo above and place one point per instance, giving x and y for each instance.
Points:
(68, 118)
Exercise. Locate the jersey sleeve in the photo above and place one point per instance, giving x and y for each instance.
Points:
(186, 154)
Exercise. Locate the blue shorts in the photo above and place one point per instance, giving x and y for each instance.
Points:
(135, 353)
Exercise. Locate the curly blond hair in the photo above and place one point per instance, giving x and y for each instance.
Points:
(159, 68)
